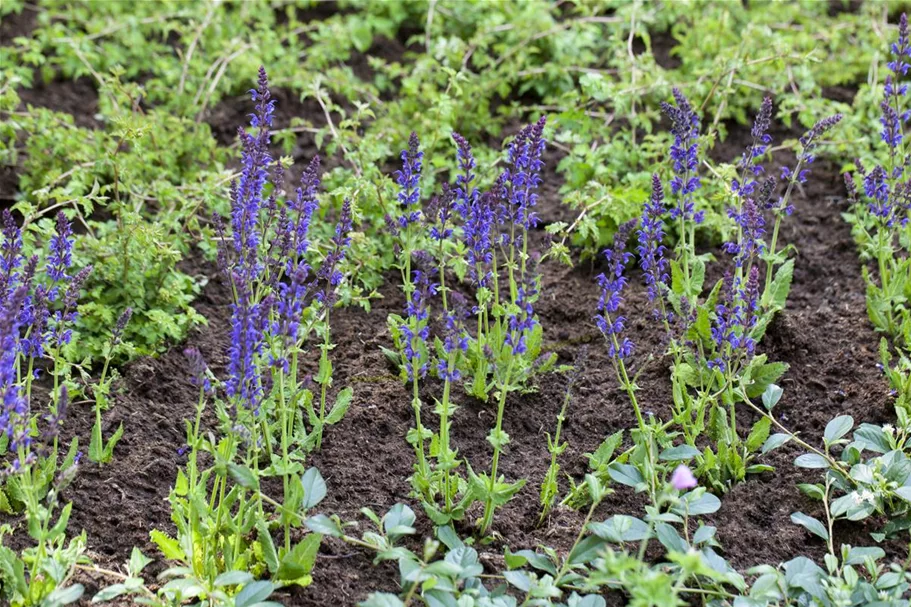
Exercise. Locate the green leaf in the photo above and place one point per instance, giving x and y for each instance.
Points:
(243, 476)
(108, 454)
(109, 593)
(515, 560)
(775, 441)
(342, 402)
(758, 434)
(810, 524)
(138, 561)
(253, 593)
(763, 376)
(382, 599)
(678, 453)
(519, 579)
(626, 474)
(324, 525)
(815, 492)
(270, 556)
(233, 578)
(96, 445)
(586, 551)
(697, 502)
(64, 595)
(777, 296)
(771, 396)
(621, 528)
(299, 562)
(904, 493)
(169, 547)
(837, 428)
(314, 488)
(872, 438)
(858, 555)
(398, 521)
(811, 460)
(669, 538)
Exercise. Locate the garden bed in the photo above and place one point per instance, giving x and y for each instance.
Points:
(823, 334)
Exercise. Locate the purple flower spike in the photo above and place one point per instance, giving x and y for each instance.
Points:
(61, 250)
(329, 273)
(522, 177)
(409, 179)
(247, 191)
(749, 163)
(198, 369)
(466, 194)
(120, 325)
(685, 154)
(612, 284)
(245, 382)
(14, 408)
(476, 232)
(651, 247)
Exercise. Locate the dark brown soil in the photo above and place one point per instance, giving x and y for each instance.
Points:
(15, 25)
(76, 97)
(824, 335)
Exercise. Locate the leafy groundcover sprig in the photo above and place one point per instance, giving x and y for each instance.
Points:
(486, 235)
(598, 561)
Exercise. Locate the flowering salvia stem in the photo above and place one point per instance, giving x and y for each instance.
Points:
(498, 440)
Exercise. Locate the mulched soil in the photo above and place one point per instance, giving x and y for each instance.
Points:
(824, 336)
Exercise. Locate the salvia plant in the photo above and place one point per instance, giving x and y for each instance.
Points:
(880, 199)
(492, 347)
(711, 336)
(270, 414)
(38, 302)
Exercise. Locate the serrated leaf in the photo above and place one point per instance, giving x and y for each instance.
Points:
(342, 402)
(299, 562)
(758, 434)
(169, 547)
(243, 476)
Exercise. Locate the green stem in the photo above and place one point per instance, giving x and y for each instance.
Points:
(423, 472)
(444, 432)
(501, 406)
(324, 385)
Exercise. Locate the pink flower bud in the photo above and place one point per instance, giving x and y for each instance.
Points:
(682, 478)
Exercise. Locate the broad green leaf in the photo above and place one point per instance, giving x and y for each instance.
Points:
(837, 428)
(810, 524)
(314, 488)
(811, 460)
(253, 593)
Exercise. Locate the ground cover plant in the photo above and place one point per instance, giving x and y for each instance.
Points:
(444, 303)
